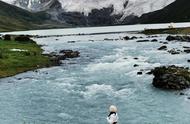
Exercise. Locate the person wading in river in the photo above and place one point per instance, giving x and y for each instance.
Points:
(112, 117)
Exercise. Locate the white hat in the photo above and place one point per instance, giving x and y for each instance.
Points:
(113, 108)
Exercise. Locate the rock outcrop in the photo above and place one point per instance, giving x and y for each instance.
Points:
(172, 77)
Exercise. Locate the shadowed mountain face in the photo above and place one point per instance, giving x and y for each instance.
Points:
(14, 18)
(179, 11)
(93, 12)
(100, 17)
(56, 16)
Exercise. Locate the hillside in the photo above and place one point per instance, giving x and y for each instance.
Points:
(14, 18)
(175, 12)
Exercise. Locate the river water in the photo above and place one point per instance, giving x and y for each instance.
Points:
(81, 89)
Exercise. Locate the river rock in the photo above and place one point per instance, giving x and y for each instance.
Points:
(187, 50)
(134, 37)
(139, 73)
(174, 51)
(181, 94)
(7, 37)
(23, 39)
(126, 38)
(186, 47)
(71, 41)
(178, 38)
(142, 40)
(163, 48)
(70, 53)
(130, 38)
(172, 77)
(154, 40)
(135, 65)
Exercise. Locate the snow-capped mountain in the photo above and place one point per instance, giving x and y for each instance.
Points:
(119, 10)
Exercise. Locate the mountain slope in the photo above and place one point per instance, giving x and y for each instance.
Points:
(175, 12)
(14, 18)
(93, 12)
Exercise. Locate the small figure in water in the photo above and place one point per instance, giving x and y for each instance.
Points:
(112, 117)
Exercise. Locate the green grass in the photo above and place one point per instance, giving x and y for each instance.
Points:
(167, 31)
(14, 62)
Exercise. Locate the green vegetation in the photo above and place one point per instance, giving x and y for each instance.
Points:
(167, 31)
(17, 57)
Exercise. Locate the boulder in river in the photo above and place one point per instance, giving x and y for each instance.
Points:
(70, 53)
(172, 77)
(163, 48)
(174, 51)
(126, 38)
(130, 38)
(154, 40)
(178, 38)
(135, 65)
(142, 40)
(187, 50)
(139, 73)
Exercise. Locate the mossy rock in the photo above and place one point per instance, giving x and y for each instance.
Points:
(172, 77)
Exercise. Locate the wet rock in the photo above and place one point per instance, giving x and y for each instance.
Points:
(187, 50)
(19, 78)
(163, 48)
(186, 47)
(136, 58)
(132, 38)
(181, 94)
(22, 38)
(188, 97)
(55, 61)
(170, 38)
(149, 73)
(154, 40)
(174, 51)
(107, 39)
(188, 60)
(56, 58)
(70, 53)
(142, 41)
(165, 42)
(7, 37)
(71, 41)
(139, 73)
(135, 65)
(172, 77)
(126, 38)
(178, 38)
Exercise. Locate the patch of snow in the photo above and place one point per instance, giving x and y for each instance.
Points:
(134, 7)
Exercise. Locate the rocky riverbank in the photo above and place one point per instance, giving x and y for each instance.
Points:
(19, 53)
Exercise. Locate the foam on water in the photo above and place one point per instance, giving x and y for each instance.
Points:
(94, 90)
(65, 116)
